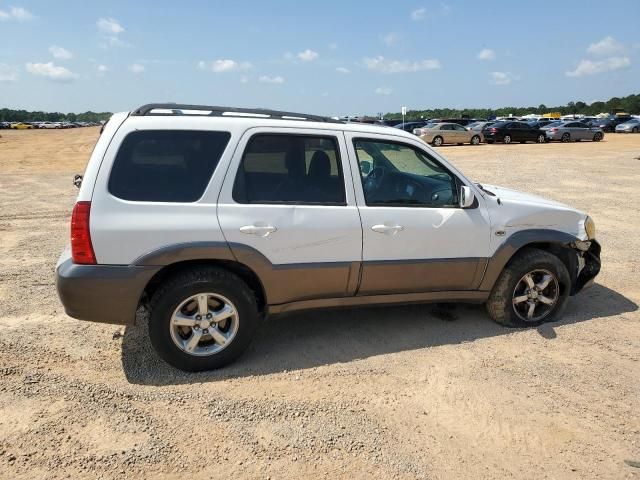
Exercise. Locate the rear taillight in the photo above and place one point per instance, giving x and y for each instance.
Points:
(493, 130)
(554, 130)
(81, 248)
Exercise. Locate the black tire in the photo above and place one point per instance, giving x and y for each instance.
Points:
(489, 141)
(437, 141)
(507, 139)
(475, 140)
(542, 138)
(566, 138)
(191, 282)
(500, 304)
(597, 137)
(634, 130)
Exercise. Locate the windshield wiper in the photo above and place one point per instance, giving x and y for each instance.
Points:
(488, 192)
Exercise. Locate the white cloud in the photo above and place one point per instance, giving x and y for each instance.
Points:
(8, 73)
(111, 29)
(51, 71)
(383, 65)
(267, 79)
(591, 67)
(21, 14)
(486, 54)
(308, 55)
(383, 91)
(110, 26)
(224, 65)
(606, 46)
(137, 68)
(59, 52)
(16, 13)
(102, 70)
(390, 39)
(418, 14)
(343, 70)
(503, 78)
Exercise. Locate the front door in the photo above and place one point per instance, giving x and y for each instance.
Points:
(288, 211)
(416, 238)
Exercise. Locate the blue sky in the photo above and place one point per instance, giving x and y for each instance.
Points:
(328, 57)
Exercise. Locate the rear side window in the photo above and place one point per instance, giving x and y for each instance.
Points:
(295, 169)
(166, 165)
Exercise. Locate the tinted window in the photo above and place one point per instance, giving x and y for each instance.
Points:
(166, 166)
(459, 127)
(400, 175)
(293, 169)
(447, 127)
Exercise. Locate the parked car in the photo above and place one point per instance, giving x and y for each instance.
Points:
(479, 126)
(5, 125)
(509, 132)
(410, 126)
(609, 124)
(574, 132)
(542, 122)
(630, 126)
(21, 126)
(213, 222)
(440, 133)
(460, 121)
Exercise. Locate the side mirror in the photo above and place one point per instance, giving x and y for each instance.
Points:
(466, 197)
(365, 167)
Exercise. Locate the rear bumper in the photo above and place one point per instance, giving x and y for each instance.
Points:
(101, 293)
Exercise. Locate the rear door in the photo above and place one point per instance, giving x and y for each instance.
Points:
(287, 209)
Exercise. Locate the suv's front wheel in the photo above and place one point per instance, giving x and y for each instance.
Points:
(532, 289)
(202, 319)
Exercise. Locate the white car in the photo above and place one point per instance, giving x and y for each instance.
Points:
(214, 217)
(50, 125)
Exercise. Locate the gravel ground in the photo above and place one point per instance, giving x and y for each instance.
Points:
(430, 392)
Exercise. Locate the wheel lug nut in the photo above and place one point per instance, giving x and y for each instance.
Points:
(198, 317)
(209, 315)
(205, 331)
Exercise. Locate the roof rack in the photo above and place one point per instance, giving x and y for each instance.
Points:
(168, 109)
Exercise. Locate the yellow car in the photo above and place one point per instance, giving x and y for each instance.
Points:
(21, 126)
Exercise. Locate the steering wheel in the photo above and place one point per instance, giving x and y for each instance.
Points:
(374, 179)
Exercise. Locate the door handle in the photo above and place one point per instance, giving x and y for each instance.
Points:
(387, 229)
(259, 230)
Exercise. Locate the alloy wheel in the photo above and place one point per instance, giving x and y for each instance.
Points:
(535, 295)
(204, 324)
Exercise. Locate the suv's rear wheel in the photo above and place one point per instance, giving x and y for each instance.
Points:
(532, 289)
(202, 319)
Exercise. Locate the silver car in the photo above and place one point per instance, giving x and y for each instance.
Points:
(573, 132)
(441, 133)
(632, 126)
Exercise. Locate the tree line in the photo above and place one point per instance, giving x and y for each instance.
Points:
(629, 104)
(9, 115)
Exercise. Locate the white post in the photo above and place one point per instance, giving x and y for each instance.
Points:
(404, 112)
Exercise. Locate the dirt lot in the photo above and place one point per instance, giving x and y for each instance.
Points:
(404, 392)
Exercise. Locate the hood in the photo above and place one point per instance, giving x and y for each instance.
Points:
(511, 211)
(510, 195)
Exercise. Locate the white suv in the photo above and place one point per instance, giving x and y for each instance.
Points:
(214, 217)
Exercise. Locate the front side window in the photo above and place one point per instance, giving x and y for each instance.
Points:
(397, 174)
(166, 165)
(290, 169)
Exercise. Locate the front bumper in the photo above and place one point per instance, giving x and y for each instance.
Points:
(101, 293)
(590, 268)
